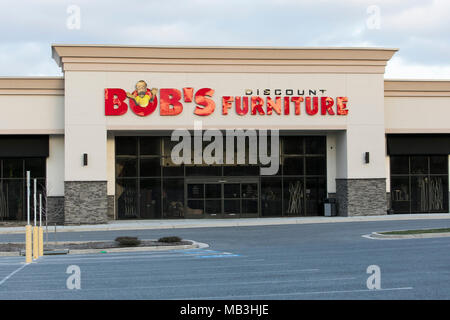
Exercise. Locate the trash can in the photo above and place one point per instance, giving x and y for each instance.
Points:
(330, 207)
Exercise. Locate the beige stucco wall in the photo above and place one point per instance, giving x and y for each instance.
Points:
(110, 164)
(31, 114)
(417, 114)
(331, 162)
(86, 124)
(55, 166)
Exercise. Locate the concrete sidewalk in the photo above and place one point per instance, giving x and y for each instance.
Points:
(208, 223)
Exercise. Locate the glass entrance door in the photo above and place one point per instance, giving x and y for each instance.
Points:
(222, 198)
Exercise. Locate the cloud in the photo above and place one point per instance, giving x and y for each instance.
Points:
(398, 69)
(419, 28)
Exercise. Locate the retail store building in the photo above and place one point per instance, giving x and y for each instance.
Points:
(376, 146)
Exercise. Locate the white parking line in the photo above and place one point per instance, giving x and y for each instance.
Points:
(166, 270)
(293, 293)
(12, 273)
(188, 285)
(164, 276)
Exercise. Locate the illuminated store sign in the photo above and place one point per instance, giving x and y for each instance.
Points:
(144, 101)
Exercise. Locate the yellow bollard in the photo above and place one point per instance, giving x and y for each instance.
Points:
(41, 241)
(35, 243)
(28, 241)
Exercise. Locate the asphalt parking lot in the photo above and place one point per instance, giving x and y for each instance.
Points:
(310, 261)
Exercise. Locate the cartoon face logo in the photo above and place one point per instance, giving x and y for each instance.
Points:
(142, 96)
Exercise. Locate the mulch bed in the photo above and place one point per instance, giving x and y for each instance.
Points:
(14, 246)
(13, 223)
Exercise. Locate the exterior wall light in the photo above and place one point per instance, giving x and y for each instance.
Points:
(366, 157)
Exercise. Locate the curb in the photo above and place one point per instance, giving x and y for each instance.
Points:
(194, 245)
(186, 224)
(379, 236)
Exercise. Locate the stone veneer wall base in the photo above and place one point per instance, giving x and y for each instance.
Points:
(361, 197)
(85, 202)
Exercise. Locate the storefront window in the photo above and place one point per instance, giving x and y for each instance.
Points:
(126, 167)
(12, 168)
(316, 165)
(294, 196)
(150, 198)
(400, 194)
(421, 186)
(438, 164)
(171, 169)
(293, 166)
(293, 145)
(150, 146)
(400, 165)
(126, 195)
(173, 198)
(271, 195)
(315, 193)
(13, 186)
(150, 185)
(419, 164)
(315, 145)
(126, 146)
(150, 167)
(36, 166)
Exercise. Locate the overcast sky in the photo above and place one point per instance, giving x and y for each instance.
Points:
(420, 29)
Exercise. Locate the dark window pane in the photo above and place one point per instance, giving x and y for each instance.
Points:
(195, 190)
(315, 145)
(203, 171)
(173, 197)
(429, 194)
(232, 190)
(249, 190)
(11, 200)
(419, 165)
(195, 207)
(400, 194)
(126, 167)
(438, 164)
(150, 198)
(293, 145)
(171, 169)
(213, 190)
(419, 194)
(315, 166)
(150, 145)
(213, 206)
(271, 197)
(126, 146)
(126, 195)
(293, 166)
(399, 164)
(438, 194)
(293, 202)
(36, 166)
(315, 194)
(150, 167)
(249, 206)
(232, 206)
(13, 168)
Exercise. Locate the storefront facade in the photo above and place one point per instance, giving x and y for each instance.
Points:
(342, 129)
